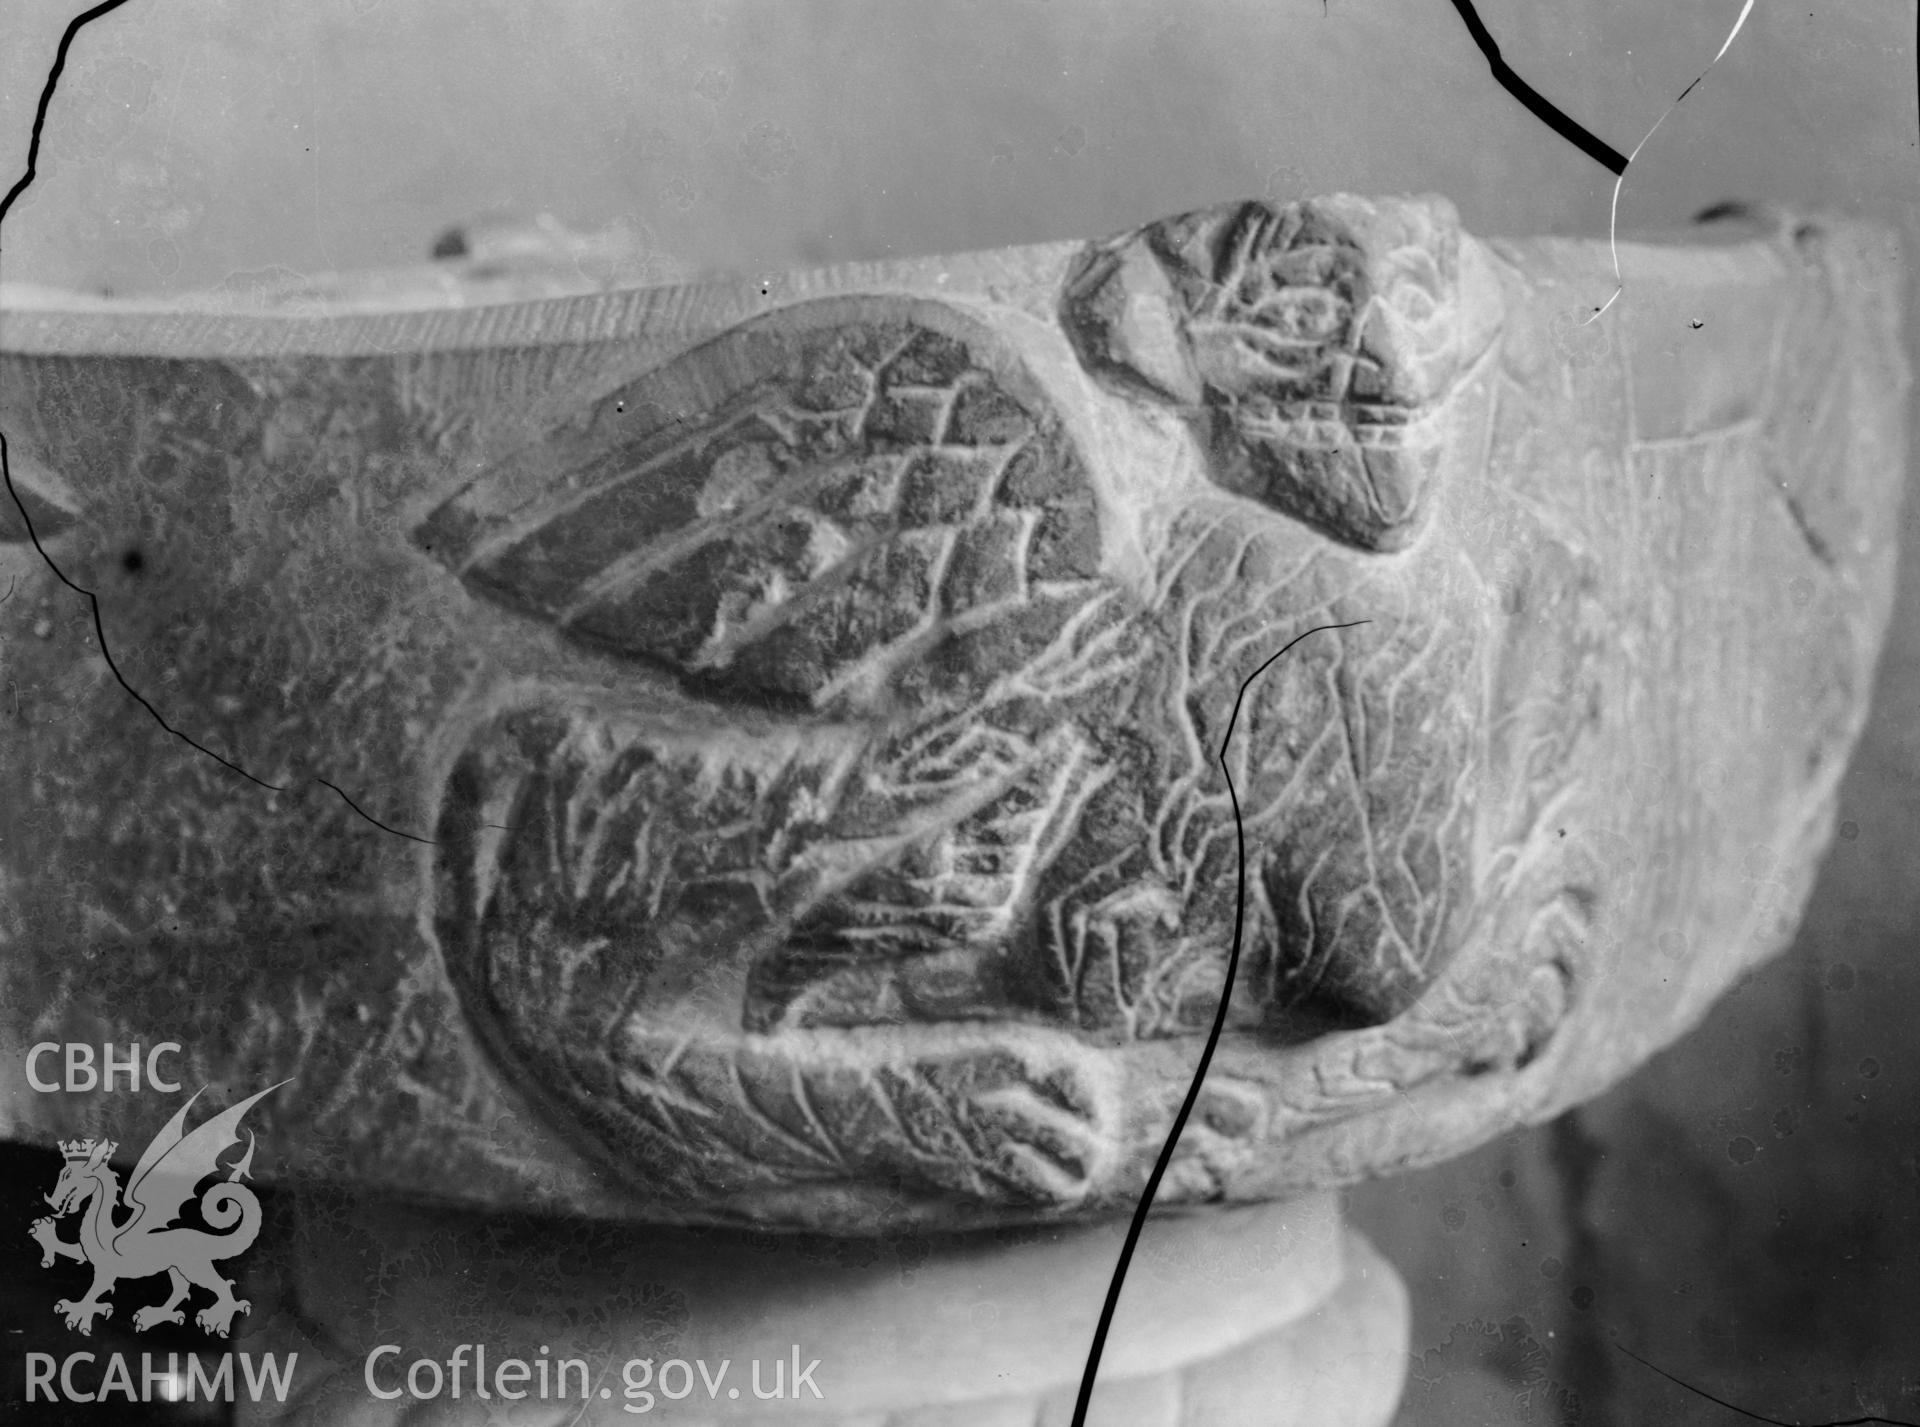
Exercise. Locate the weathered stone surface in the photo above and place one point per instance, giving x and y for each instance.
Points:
(1311, 343)
(784, 740)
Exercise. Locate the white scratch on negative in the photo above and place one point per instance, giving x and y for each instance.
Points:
(1613, 215)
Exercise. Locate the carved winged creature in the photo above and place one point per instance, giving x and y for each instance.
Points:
(911, 701)
(149, 1241)
(819, 704)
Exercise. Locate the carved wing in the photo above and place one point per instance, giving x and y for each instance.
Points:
(867, 508)
(798, 512)
(177, 1160)
(861, 507)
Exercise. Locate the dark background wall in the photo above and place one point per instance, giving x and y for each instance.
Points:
(1743, 1212)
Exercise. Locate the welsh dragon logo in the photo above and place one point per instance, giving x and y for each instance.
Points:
(149, 1241)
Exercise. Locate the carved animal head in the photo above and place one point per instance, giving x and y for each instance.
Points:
(1311, 343)
(946, 684)
(819, 708)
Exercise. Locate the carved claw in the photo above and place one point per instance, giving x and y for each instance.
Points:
(156, 1313)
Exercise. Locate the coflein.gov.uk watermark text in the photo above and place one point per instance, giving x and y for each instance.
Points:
(546, 1378)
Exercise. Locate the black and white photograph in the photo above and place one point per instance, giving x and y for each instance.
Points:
(959, 713)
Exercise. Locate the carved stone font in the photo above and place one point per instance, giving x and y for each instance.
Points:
(806, 759)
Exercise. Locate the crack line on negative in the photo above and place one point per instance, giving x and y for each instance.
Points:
(1145, 1205)
(1609, 157)
(1870, 1420)
(1620, 174)
(1536, 103)
(19, 187)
